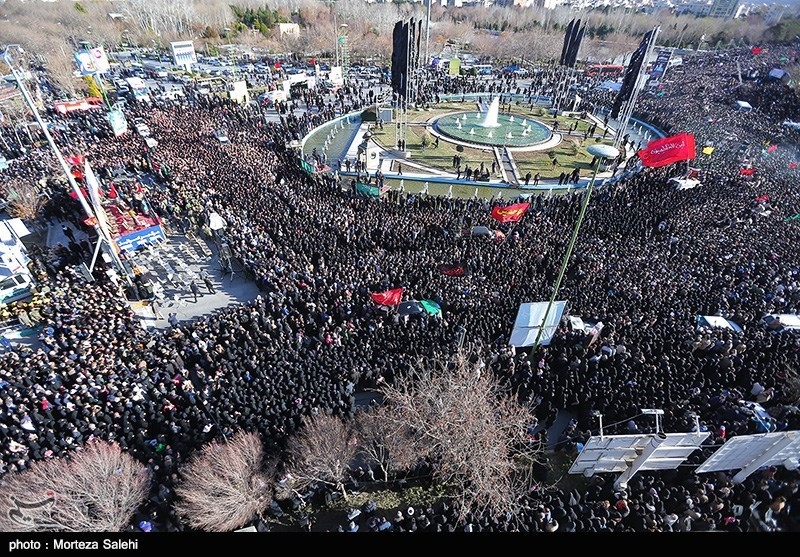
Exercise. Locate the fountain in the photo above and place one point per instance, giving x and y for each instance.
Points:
(491, 115)
(491, 128)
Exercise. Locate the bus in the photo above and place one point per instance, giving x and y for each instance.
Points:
(138, 88)
(605, 71)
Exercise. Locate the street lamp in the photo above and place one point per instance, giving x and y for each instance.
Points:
(342, 40)
(19, 78)
(601, 153)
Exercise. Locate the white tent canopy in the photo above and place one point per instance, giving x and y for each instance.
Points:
(744, 106)
(788, 320)
(717, 321)
(685, 183)
(530, 318)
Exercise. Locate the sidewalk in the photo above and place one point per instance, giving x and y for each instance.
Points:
(389, 163)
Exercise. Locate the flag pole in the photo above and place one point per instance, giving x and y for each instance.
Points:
(602, 152)
(637, 87)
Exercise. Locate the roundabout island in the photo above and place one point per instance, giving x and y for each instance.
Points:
(518, 148)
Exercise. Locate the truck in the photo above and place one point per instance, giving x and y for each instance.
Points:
(138, 88)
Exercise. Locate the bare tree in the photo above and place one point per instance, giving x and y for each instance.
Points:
(471, 431)
(24, 198)
(225, 484)
(322, 453)
(95, 489)
(384, 442)
(62, 68)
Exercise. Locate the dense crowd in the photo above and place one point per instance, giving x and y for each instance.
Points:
(649, 260)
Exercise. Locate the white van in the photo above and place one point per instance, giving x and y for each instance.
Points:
(16, 287)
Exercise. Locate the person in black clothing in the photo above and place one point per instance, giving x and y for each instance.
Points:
(68, 233)
(195, 290)
(209, 285)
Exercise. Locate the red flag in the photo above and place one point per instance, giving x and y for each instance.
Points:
(510, 213)
(388, 298)
(667, 150)
(453, 269)
(792, 165)
(112, 190)
(772, 148)
(75, 160)
(139, 187)
(756, 50)
(747, 171)
(90, 221)
(74, 195)
(762, 198)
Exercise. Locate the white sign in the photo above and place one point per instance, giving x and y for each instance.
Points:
(336, 77)
(99, 60)
(183, 53)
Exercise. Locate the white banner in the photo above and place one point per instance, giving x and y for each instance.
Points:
(100, 60)
(94, 194)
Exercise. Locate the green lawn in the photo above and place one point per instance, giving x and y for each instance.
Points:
(570, 153)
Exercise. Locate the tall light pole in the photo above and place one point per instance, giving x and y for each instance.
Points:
(336, 33)
(342, 40)
(102, 237)
(601, 153)
(427, 32)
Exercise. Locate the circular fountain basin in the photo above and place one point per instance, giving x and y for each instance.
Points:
(511, 130)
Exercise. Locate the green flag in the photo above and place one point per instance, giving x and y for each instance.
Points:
(431, 307)
(307, 166)
(797, 216)
(365, 189)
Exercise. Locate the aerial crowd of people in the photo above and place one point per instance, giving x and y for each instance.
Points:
(650, 259)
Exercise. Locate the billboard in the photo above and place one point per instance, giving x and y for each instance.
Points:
(119, 124)
(455, 67)
(660, 66)
(92, 61)
(183, 53)
(100, 60)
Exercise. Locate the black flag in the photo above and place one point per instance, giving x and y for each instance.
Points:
(567, 38)
(632, 74)
(419, 40)
(400, 58)
(574, 46)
